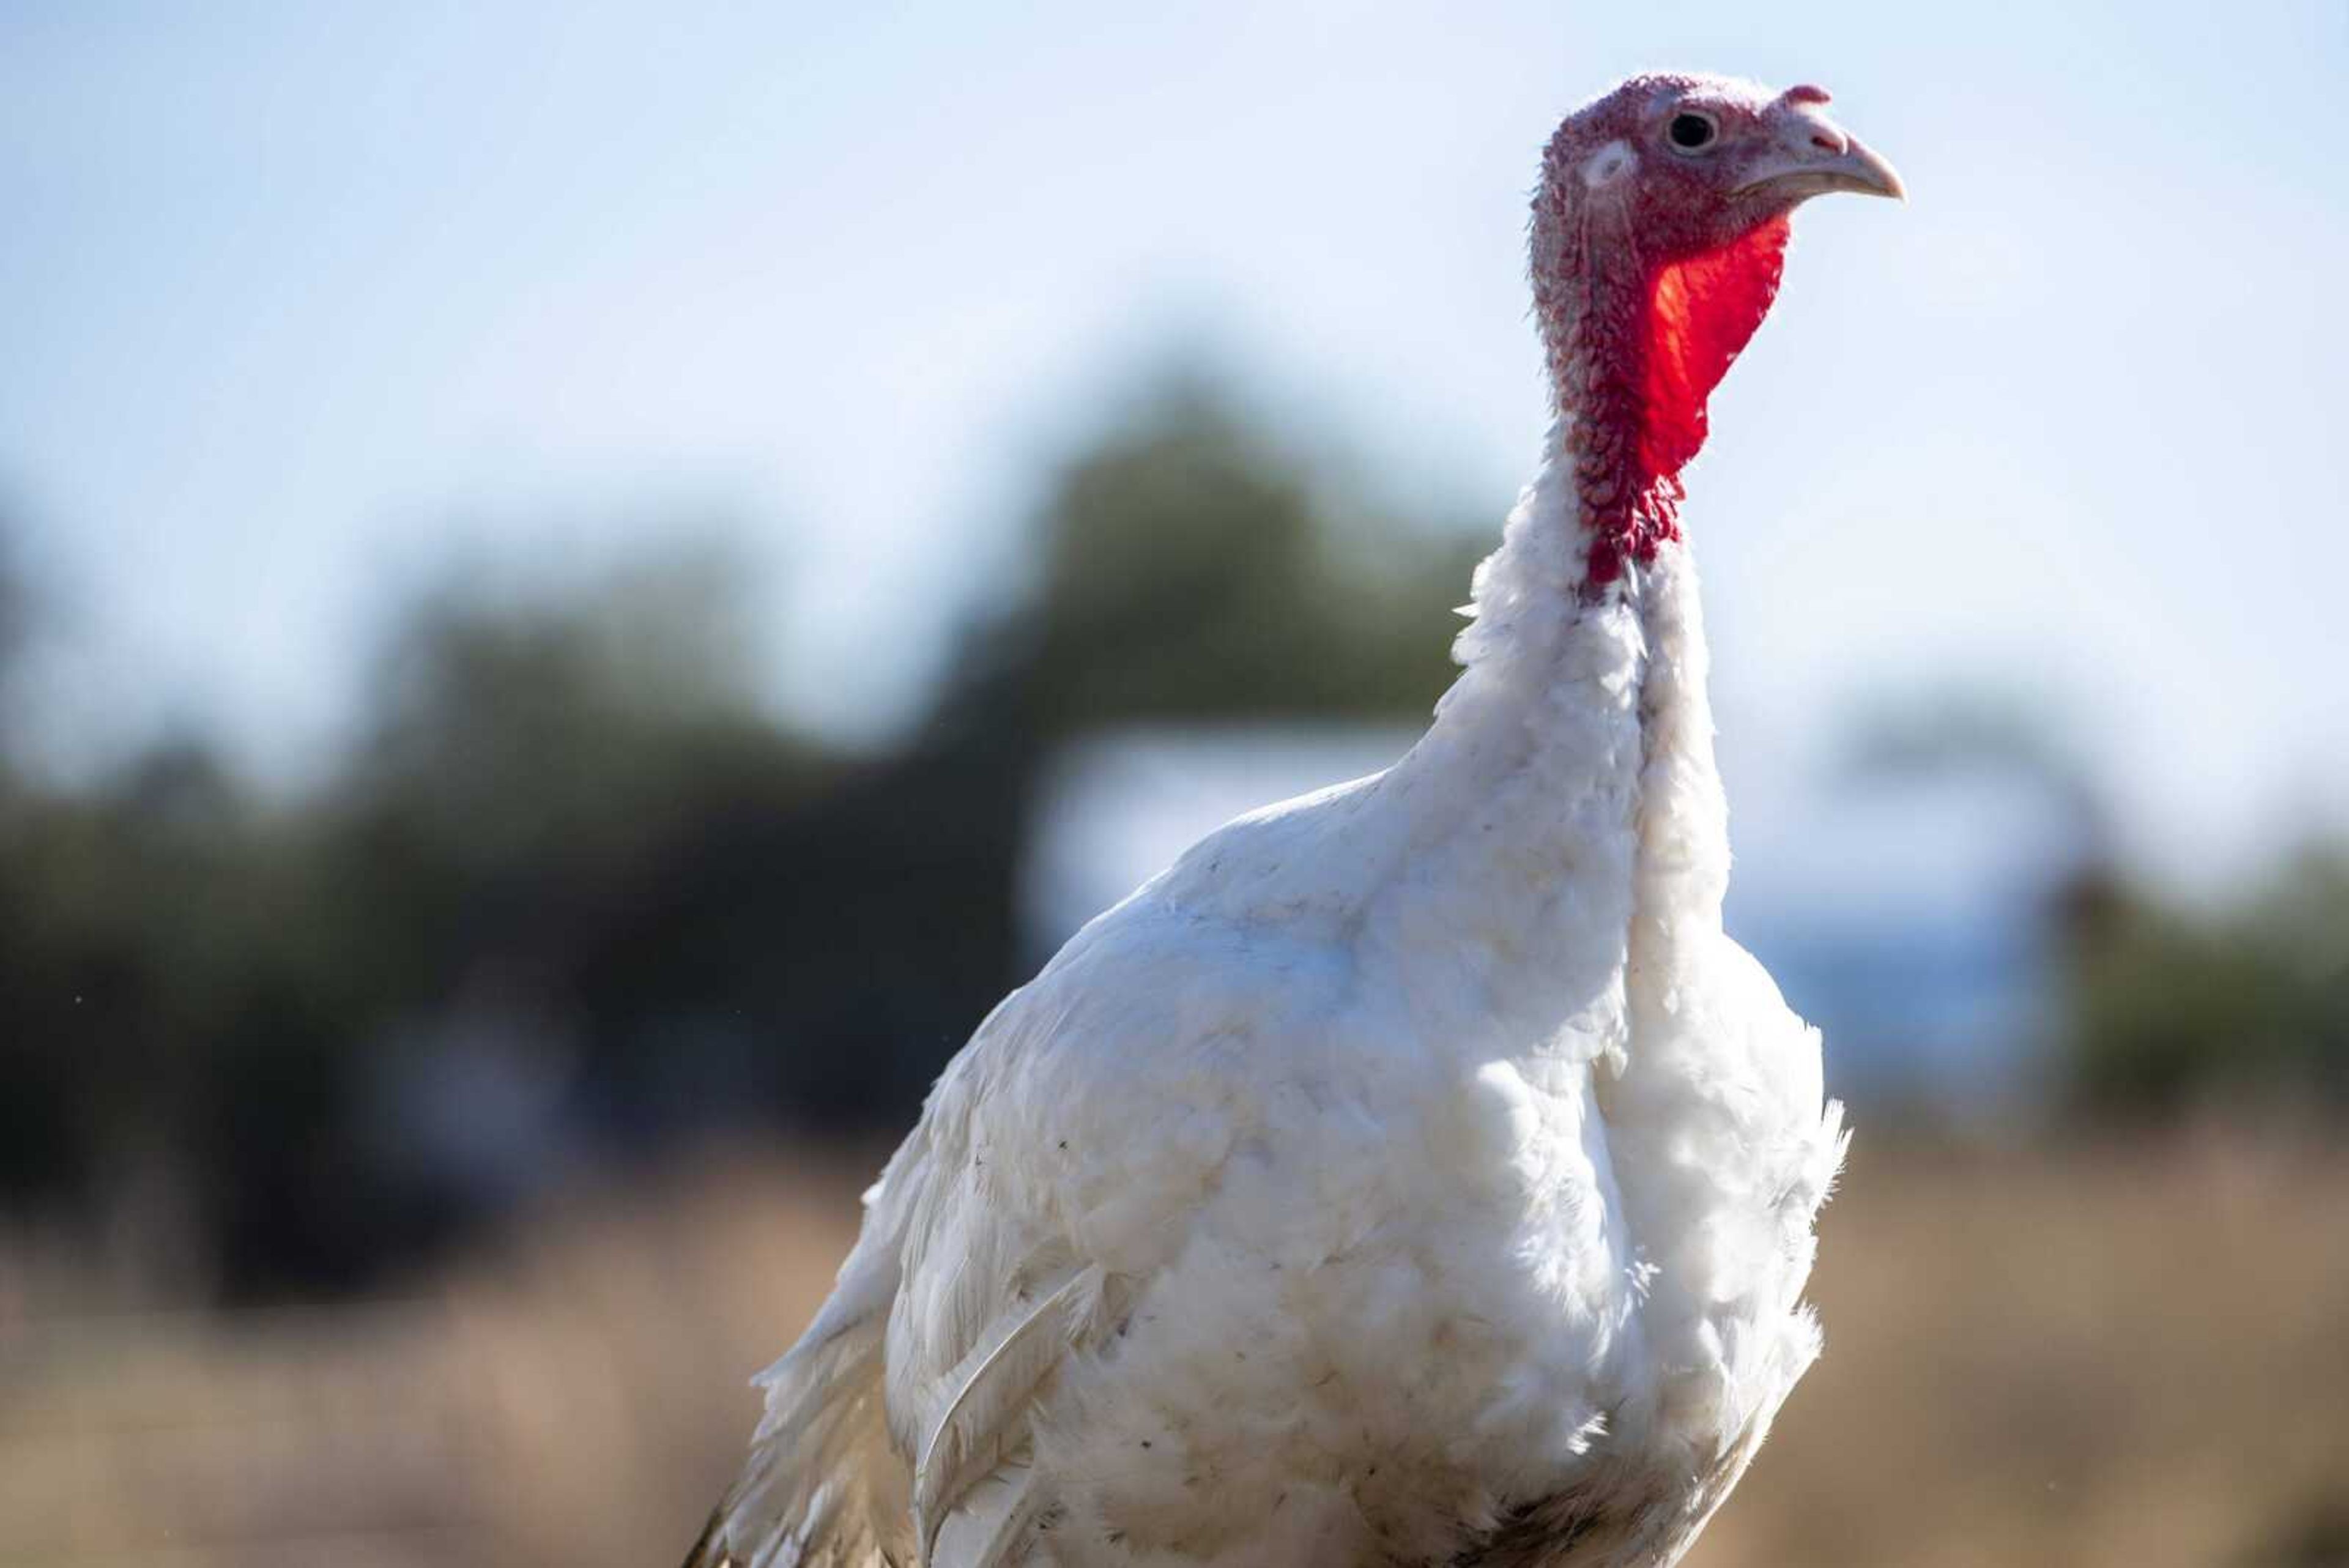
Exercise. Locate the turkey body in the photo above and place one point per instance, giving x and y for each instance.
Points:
(1414, 1173)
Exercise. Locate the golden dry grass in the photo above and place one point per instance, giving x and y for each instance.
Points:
(2136, 1357)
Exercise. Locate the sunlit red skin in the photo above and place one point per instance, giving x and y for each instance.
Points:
(1647, 287)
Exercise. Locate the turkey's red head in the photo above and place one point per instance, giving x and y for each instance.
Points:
(1659, 232)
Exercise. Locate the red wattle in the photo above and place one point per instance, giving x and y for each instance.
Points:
(1696, 315)
(1702, 312)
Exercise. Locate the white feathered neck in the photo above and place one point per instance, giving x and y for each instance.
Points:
(1569, 779)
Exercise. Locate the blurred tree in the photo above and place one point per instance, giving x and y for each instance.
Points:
(1987, 732)
(572, 888)
(2162, 1010)
(521, 834)
(579, 807)
(124, 943)
(15, 601)
(512, 726)
(19, 613)
(2171, 1010)
(1190, 571)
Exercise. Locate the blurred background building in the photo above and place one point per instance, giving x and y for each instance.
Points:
(583, 588)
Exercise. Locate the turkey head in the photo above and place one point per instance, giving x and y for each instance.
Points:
(1659, 230)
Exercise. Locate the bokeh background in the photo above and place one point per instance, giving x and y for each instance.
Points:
(583, 586)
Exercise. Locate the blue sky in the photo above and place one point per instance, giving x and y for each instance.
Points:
(295, 300)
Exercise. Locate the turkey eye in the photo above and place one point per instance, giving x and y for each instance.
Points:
(1689, 132)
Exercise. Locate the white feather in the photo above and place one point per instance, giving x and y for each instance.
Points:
(990, 1525)
(984, 1392)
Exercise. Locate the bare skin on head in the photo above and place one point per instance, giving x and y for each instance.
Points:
(1659, 230)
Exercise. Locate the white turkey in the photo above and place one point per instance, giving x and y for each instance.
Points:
(1413, 1173)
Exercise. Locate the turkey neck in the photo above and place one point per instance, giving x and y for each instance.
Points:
(1564, 814)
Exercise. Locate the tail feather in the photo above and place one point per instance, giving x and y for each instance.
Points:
(822, 1487)
(711, 1551)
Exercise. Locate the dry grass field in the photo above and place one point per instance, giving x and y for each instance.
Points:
(2137, 1357)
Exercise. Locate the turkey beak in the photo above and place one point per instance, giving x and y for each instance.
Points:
(1812, 155)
